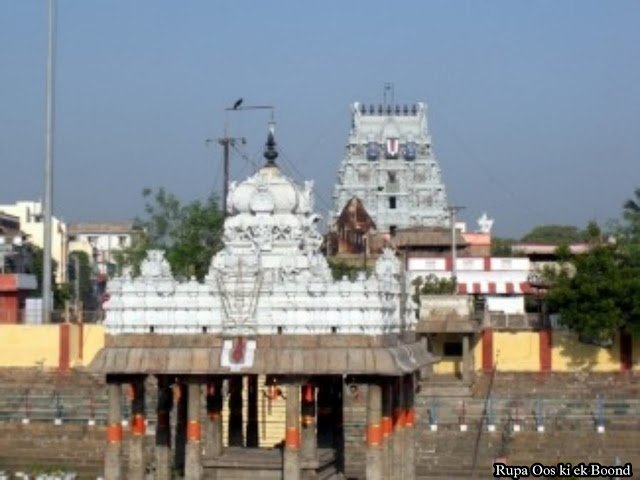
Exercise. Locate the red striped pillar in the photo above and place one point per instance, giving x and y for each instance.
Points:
(63, 356)
(545, 350)
(487, 350)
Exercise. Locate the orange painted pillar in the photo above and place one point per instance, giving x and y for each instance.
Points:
(291, 458)
(308, 437)
(193, 462)
(387, 427)
(137, 462)
(397, 419)
(113, 450)
(213, 431)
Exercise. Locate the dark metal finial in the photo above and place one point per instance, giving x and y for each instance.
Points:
(270, 152)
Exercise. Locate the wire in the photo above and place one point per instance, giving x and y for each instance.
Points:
(484, 168)
(298, 176)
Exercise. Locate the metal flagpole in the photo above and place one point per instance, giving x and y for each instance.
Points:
(48, 169)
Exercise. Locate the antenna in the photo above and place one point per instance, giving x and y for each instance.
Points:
(388, 93)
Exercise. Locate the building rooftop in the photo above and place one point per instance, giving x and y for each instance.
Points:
(77, 228)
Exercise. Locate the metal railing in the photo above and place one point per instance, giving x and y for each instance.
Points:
(519, 414)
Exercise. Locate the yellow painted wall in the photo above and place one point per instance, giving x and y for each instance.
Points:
(93, 341)
(477, 352)
(29, 345)
(446, 365)
(569, 354)
(516, 351)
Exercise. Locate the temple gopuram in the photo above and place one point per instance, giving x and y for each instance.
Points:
(268, 330)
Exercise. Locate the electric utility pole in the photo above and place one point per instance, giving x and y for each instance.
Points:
(48, 169)
(227, 142)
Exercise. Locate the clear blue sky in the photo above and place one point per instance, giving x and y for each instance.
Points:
(534, 106)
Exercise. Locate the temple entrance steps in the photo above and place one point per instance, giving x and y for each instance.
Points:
(448, 386)
(560, 385)
(238, 463)
(575, 447)
(46, 447)
(449, 454)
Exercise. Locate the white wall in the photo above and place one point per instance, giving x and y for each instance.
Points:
(509, 305)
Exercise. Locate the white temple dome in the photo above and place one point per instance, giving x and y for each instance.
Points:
(268, 191)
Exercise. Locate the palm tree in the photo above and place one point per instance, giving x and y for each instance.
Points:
(632, 206)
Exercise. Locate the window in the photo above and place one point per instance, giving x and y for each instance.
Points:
(122, 241)
(392, 177)
(392, 203)
(392, 230)
(452, 349)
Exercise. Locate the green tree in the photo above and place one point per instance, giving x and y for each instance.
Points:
(190, 234)
(501, 247)
(340, 269)
(555, 234)
(433, 285)
(60, 291)
(86, 292)
(600, 294)
(591, 301)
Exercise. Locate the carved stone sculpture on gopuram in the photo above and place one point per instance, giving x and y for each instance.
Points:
(270, 277)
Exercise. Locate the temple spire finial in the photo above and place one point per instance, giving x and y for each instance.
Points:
(270, 151)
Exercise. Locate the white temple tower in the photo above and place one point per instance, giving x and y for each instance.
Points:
(391, 167)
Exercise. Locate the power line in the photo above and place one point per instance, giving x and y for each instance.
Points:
(483, 167)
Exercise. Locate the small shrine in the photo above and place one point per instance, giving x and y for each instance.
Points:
(269, 315)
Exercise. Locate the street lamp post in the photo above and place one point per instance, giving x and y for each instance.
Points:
(48, 168)
(452, 213)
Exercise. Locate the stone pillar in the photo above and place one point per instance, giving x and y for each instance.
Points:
(387, 427)
(181, 395)
(309, 439)
(163, 429)
(236, 439)
(113, 451)
(398, 430)
(137, 462)
(409, 424)
(466, 359)
(374, 432)
(252, 412)
(193, 464)
(213, 430)
(291, 458)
